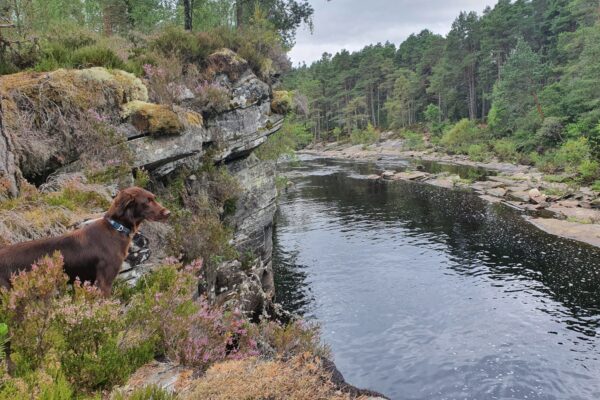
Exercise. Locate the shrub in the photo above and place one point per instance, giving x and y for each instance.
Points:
(589, 170)
(74, 328)
(594, 142)
(545, 162)
(477, 152)
(572, 153)
(366, 136)
(505, 149)
(96, 56)
(295, 338)
(176, 43)
(432, 115)
(551, 132)
(190, 332)
(413, 140)
(282, 102)
(462, 135)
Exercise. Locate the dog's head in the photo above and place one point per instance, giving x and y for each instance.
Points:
(134, 205)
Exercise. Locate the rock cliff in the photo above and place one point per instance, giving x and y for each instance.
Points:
(46, 120)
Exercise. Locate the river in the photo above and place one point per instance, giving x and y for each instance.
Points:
(429, 293)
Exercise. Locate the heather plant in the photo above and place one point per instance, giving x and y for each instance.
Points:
(287, 340)
(211, 97)
(29, 309)
(73, 331)
(189, 331)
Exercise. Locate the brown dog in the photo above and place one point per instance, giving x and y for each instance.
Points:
(94, 252)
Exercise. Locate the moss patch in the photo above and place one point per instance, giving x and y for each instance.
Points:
(282, 102)
(153, 119)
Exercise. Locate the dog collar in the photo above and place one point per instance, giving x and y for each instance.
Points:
(119, 227)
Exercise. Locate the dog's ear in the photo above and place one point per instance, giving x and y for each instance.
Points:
(123, 200)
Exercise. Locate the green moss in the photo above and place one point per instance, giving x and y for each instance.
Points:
(74, 199)
(153, 119)
(282, 102)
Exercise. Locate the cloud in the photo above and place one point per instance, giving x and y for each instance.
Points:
(353, 24)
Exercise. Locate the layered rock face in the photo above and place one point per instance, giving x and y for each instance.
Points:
(42, 121)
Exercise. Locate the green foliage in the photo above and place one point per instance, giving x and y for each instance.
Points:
(462, 135)
(515, 94)
(95, 56)
(76, 327)
(477, 152)
(292, 136)
(72, 198)
(527, 68)
(146, 393)
(142, 178)
(505, 149)
(199, 229)
(433, 117)
(3, 339)
(572, 154)
(588, 170)
(413, 140)
(364, 136)
(551, 132)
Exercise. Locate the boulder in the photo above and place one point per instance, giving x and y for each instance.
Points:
(388, 174)
(411, 176)
(537, 197)
(497, 192)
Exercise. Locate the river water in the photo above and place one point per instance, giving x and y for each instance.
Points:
(429, 293)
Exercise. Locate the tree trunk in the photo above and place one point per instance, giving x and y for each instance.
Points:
(107, 20)
(187, 12)
(378, 106)
(482, 105)
(472, 93)
(239, 13)
(373, 107)
(538, 105)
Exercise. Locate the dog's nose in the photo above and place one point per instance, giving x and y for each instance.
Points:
(166, 212)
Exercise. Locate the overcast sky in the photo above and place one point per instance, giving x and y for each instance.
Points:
(353, 24)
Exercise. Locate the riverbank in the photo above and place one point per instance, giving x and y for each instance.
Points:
(559, 208)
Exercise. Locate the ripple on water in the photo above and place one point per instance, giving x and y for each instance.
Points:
(425, 293)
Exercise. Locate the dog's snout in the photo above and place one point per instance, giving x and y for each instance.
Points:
(166, 212)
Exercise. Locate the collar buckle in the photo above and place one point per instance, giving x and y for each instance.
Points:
(118, 226)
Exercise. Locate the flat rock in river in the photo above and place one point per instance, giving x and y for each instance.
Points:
(588, 233)
(410, 176)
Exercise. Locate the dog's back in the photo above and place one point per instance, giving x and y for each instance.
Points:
(21, 256)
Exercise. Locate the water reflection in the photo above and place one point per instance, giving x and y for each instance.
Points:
(430, 293)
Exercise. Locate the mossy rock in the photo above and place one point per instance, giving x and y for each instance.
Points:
(153, 119)
(282, 102)
(228, 62)
(193, 118)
